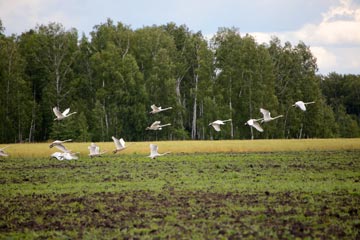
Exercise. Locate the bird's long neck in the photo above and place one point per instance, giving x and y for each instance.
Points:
(309, 102)
(168, 124)
(162, 154)
(71, 114)
(228, 120)
(278, 116)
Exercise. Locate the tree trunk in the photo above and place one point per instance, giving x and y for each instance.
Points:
(193, 128)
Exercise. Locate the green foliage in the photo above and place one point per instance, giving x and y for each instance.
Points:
(113, 77)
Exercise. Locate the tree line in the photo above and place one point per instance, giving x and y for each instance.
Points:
(113, 76)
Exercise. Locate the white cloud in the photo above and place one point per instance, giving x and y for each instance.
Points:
(334, 41)
(325, 58)
(23, 15)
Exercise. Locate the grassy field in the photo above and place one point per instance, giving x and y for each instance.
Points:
(263, 189)
(224, 146)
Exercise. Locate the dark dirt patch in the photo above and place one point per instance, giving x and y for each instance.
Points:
(231, 215)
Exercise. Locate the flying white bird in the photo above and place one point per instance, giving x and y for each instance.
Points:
(156, 109)
(3, 153)
(95, 150)
(254, 123)
(64, 156)
(58, 155)
(59, 145)
(156, 126)
(70, 156)
(216, 124)
(154, 152)
(119, 144)
(302, 105)
(61, 115)
(267, 117)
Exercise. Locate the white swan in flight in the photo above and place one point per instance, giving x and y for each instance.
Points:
(119, 144)
(254, 123)
(61, 115)
(267, 117)
(58, 155)
(64, 156)
(95, 150)
(216, 124)
(156, 109)
(154, 152)
(156, 126)
(302, 105)
(3, 153)
(59, 145)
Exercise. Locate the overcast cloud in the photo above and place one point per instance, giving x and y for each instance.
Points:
(330, 27)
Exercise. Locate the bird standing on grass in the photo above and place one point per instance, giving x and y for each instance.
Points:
(154, 152)
(216, 124)
(302, 105)
(62, 115)
(156, 109)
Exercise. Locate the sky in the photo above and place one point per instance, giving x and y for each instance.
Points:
(331, 28)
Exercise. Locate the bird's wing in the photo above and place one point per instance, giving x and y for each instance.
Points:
(153, 149)
(156, 123)
(301, 105)
(219, 122)
(57, 112)
(92, 149)
(257, 126)
(58, 156)
(122, 142)
(216, 127)
(3, 154)
(154, 107)
(4, 148)
(97, 150)
(265, 113)
(62, 148)
(66, 111)
(117, 142)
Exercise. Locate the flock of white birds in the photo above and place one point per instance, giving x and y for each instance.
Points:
(94, 150)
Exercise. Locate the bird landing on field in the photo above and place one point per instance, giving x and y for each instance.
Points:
(156, 126)
(156, 109)
(216, 124)
(154, 152)
(267, 117)
(62, 115)
(95, 150)
(302, 105)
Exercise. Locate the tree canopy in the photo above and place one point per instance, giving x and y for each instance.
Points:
(113, 76)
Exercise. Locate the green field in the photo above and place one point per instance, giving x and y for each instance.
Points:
(264, 189)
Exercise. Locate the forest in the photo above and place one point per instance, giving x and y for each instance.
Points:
(113, 75)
